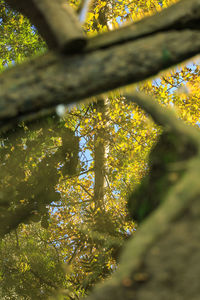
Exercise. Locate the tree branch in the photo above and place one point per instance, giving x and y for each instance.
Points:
(164, 117)
(182, 15)
(177, 199)
(55, 20)
(49, 80)
(110, 60)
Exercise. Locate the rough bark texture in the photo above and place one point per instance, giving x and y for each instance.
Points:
(162, 260)
(153, 263)
(56, 22)
(185, 14)
(170, 267)
(51, 79)
(129, 55)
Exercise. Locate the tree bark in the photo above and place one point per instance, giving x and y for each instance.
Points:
(162, 260)
(33, 86)
(164, 253)
(56, 22)
(110, 60)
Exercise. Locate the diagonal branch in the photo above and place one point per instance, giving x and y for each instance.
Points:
(123, 284)
(110, 60)
(177, 200)
(56, 22)
(164, 117)
(48, 80)
(182, 15)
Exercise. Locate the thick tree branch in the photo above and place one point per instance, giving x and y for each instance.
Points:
(132, 54)
(182, 15)
(49, 80)
(130, 279)
(178, 199)
(56, 22)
